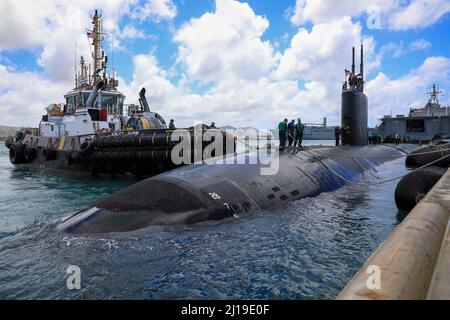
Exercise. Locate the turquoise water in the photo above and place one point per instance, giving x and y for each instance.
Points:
(309, 250)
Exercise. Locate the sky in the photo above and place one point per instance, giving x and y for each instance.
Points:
(240, 63)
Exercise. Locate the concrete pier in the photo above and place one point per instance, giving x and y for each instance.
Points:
(414, 262)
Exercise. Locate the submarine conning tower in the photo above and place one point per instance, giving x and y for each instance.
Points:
(354, 106)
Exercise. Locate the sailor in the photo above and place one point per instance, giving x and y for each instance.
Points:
(282, 127)
(299, 128)
(370, 137)
(171, 124)
(337, 134)
(213, 125)
(291, 132)
(397, 138)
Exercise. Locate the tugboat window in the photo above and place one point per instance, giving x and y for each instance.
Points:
(416, 125)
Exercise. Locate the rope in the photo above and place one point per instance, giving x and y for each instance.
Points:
(417, 169)
(380, 182)
(327, 167)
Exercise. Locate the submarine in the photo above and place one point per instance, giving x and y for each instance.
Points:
(239, 183)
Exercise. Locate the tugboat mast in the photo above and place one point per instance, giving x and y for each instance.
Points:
(87, 76)
(98, 54)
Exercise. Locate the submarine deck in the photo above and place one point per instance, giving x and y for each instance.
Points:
(414, 262)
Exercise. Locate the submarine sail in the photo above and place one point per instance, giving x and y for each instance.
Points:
(354, 114)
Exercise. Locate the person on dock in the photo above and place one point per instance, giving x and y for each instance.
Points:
(337, 134)
(171, 124)
(299, 128)
(291, 132)
(282, 128)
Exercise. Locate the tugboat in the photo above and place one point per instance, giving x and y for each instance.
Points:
(94, 132)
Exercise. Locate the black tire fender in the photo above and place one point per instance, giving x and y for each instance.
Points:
(29, 153)
(86, 148)
(413, 187)
(17, 153)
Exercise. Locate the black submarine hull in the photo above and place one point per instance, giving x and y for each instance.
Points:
(201, 192)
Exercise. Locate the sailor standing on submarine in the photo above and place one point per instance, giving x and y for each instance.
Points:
(282, 127)
(291, 132)
(299, 128)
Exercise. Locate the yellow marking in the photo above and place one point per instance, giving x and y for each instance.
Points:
(145, 123)
(61, 143)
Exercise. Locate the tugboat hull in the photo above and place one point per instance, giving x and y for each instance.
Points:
(139, 153)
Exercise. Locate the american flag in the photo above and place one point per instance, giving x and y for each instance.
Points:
(90, 34)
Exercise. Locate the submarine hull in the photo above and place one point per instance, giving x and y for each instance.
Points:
(201, 192)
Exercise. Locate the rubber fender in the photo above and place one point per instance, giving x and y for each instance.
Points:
(49, 154)
(115, 154)
(87, 147)
(101, 141)
(29, 154)
(9, 142)
(160, 139)
(145, 140)
(126, 141)
(17, 153)
(68, 158)
(417, 160)
(76, 156)
(127, 155)
(413, 187)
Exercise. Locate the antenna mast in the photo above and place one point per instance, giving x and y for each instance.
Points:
(98, 53)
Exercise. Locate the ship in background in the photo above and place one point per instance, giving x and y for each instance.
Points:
(431, 122)
(315, 131)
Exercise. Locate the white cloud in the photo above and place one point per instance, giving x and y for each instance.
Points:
(317, 11)
(420, 44)
(419, 14)
(395, 14)
(226, 43)
(314, 55)
(24, 95)
(130, 32)
(398, 50)
(156, 10)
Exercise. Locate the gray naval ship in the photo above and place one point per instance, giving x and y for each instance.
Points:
(421, 125)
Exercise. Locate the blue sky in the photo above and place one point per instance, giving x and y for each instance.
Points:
(283, 43)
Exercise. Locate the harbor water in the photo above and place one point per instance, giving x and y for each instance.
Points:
(308, 250)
